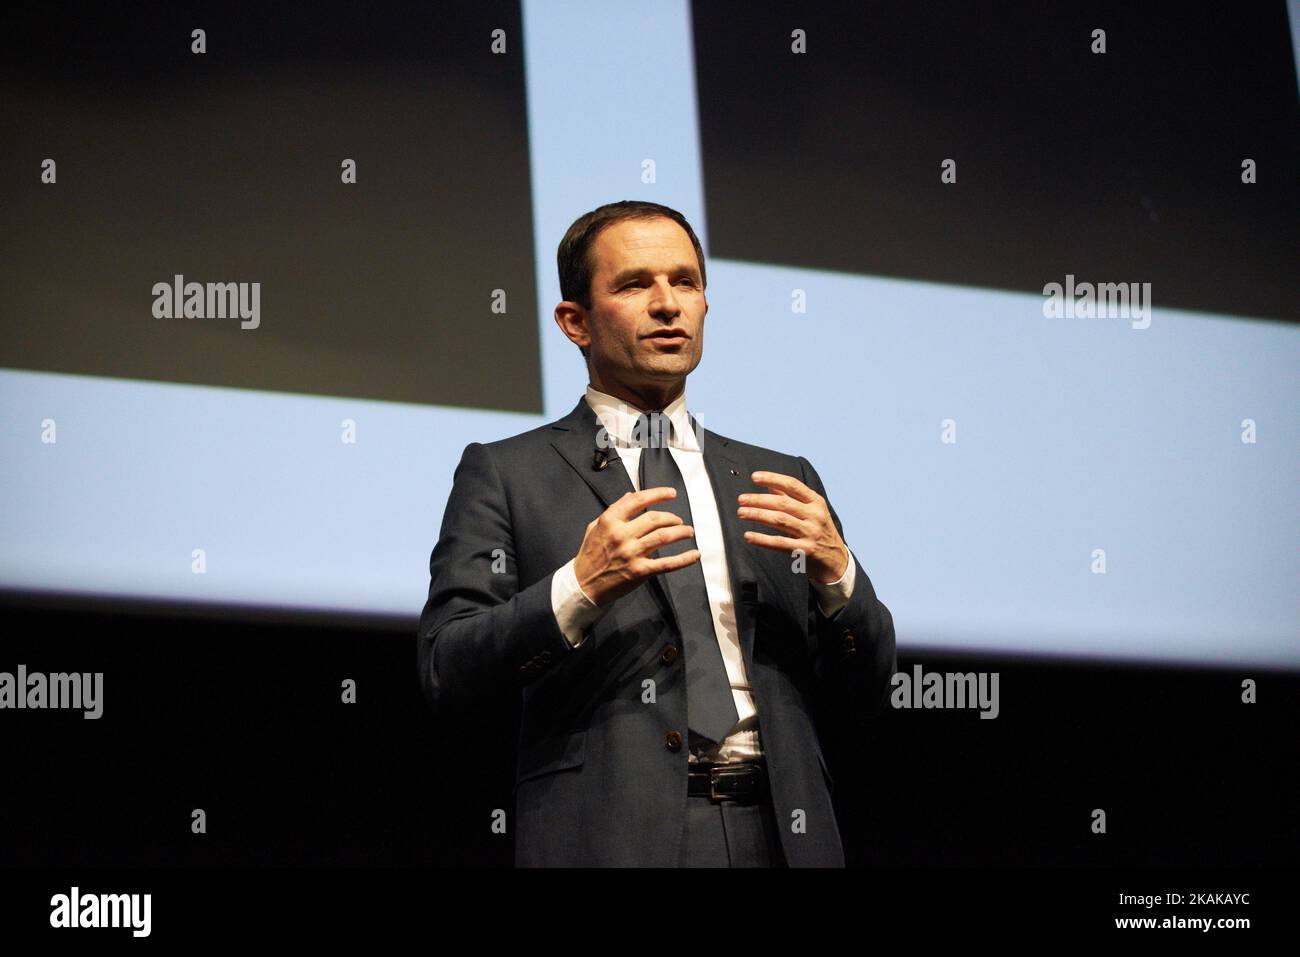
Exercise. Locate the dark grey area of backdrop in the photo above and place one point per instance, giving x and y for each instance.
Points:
(246, 722)
(225, 167)
(1115, 167)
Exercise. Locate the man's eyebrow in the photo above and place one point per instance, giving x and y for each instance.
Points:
(633, 272)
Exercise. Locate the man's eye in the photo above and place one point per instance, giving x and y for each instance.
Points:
(638, 282)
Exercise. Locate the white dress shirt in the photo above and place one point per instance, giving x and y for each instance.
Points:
(575, 612)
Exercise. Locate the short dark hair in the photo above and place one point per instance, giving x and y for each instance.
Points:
(574, 255)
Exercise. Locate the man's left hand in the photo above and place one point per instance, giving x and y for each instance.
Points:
(804, 516)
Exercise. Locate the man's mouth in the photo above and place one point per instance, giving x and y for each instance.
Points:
(669, 337)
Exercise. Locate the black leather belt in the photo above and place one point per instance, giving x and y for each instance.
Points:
(744, 781)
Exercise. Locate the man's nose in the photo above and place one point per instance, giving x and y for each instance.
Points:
(664, 301)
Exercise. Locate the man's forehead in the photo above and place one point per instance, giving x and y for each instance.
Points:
(662, 247)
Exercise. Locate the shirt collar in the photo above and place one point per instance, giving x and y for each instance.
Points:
(619, 419)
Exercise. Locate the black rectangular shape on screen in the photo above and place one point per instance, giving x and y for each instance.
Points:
(1123, 166)
(226, 166)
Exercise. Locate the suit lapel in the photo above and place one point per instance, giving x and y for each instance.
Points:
(575, 438)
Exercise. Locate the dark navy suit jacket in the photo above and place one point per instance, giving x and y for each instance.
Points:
(602, 756)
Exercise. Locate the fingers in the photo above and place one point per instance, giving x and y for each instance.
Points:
(649, 521)
(637, 537)
(777, 543)
(674, 562)
(633, 502)
(659, 537)
(783, 521)
(779, 503)
(788, 484)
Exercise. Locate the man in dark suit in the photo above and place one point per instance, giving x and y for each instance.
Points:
(673, 659)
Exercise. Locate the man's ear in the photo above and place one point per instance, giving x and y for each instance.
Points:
(572, 320)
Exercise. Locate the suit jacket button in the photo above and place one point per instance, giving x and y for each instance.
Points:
(669, 654)
(546, 656)
(674, 740)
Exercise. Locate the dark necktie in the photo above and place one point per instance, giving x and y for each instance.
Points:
(710, 708)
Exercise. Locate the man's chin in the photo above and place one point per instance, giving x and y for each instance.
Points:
(671, 365)
(666, 370)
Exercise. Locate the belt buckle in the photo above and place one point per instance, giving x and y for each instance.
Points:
(719, 775)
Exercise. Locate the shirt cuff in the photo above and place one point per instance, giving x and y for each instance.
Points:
(833, 596)
(574, 611)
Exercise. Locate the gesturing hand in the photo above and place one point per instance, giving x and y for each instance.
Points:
(614, 557)
(804, 516)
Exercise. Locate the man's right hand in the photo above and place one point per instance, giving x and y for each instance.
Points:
(615, 553)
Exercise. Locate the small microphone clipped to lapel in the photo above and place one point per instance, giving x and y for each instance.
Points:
(600, 461)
